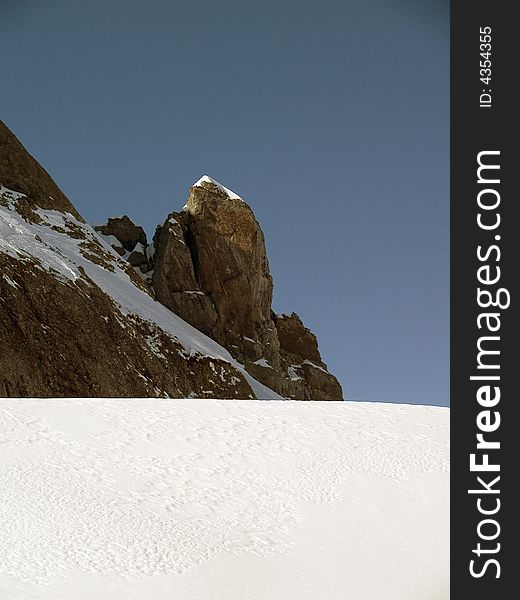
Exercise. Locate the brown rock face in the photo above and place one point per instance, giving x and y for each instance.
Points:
(174, 280)
(125, 230)
(46, 351)
(296, 340)
(131, 242)
(230, 262)
(19, 171)
(211, 268)
(299, 350)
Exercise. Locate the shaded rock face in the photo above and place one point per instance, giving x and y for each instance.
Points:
(299, 351)
(211, 268)
(128, 240)
(125, 230)
(174, 280)
(21, 172)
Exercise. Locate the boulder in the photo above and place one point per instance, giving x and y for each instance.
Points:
(296, 340)
(125, 230)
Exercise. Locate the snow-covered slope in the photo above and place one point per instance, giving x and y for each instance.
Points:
(198, 500)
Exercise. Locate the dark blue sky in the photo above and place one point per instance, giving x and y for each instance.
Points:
(330, 118)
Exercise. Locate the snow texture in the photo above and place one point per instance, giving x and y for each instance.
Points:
(61, 254)
(293, 373)
(262, 362)
(10, 196)
(111, 240)
(222, 500)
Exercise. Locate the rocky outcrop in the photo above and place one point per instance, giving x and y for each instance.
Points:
(300, 354)
(128, 240)
(174, 281)
(296, 341)
(211, 268)
(79, 317)
(125, 230)
(62, 332)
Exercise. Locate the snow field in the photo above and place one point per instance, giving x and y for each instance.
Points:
(223, 500)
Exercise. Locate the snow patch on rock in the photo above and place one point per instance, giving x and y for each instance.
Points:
(208, 179)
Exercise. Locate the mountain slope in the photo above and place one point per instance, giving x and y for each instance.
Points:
(76, 320)
(20, 171)
(99, 312)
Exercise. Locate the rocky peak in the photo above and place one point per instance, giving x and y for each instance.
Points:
(76, 319)
(211, 184)
(211, 268)
(230, 259)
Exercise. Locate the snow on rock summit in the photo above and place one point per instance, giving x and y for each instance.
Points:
(212, 182)
(101, 312)
(211, 268)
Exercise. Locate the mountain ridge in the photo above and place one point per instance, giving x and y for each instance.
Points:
(147, 326)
